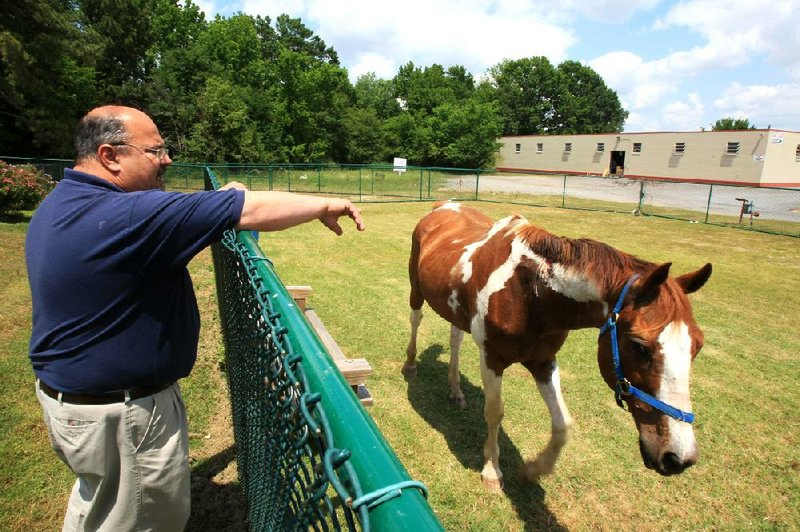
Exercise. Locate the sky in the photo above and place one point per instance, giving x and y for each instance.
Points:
(676, 66)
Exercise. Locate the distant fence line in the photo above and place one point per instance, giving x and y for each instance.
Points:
(768, 210)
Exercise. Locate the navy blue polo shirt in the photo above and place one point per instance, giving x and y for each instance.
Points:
(113, 304)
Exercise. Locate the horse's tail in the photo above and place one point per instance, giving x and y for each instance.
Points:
(415, 298)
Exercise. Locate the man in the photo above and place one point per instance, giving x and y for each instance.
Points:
(115, 320)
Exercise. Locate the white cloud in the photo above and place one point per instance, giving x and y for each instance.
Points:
(476, 35)
(737, 31)
(763, 105)
(383, 67)
(639, 84)
(684, 115)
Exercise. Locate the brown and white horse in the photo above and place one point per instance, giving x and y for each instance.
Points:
(520, 290)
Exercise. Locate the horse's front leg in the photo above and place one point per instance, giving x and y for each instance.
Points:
(493, 413)
(550, 389)
(453, 375)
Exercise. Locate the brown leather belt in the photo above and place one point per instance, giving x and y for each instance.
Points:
(104, 399)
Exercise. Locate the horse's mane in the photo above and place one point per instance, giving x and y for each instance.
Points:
(609, 266)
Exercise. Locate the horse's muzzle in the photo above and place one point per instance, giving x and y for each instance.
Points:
(668, 463)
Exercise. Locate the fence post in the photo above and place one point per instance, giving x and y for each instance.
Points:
(319, 179)
(641, 196)
(359, 184)
(421, 175)
(564, 193)
(429, 183)
(477, 184)
(708, 204)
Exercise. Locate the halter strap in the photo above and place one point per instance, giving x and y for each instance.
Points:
(623, 386)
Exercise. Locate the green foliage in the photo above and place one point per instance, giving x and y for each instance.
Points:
(592, 107)
(732, 124)
(537, 98)
(22, 187)
(464, 135)
(254, 89)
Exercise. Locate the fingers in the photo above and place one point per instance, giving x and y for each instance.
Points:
(339, 208)
(355, 215)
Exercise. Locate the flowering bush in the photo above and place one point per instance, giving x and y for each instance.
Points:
(22, 187)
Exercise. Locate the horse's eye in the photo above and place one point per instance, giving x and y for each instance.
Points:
(642, 350)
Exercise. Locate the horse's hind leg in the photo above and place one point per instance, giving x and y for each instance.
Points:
(410, 367)
(454, 376)
(493, 412)
(548, 382)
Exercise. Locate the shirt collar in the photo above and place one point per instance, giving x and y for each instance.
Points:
(91, 179)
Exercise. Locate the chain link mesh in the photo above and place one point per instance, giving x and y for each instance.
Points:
(292, 473)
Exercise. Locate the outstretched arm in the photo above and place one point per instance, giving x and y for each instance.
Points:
(274, 211)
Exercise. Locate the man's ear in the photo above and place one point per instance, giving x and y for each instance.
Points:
(108, 157)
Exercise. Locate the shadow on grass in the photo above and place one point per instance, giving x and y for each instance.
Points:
(219, 507)
(15, 217)
(465, 431)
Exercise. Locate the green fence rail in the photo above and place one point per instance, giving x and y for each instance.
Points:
(309, 456)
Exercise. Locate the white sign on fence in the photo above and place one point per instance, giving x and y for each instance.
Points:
(399, 165)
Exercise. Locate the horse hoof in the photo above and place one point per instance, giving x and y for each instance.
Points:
(493, 485)
(533, 471)
(409, 371)
(460, 402)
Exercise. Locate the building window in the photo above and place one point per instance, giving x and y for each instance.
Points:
(601, 146)
(680, 148)
(732, 149)
(539, 147)
(567, 146)
(637, 147)
(517, 148)
(797, 153)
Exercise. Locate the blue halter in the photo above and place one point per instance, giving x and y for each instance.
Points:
(624, 387)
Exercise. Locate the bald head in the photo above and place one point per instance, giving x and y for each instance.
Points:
(121, 145)
(109, 124)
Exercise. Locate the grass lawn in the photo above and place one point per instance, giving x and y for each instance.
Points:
(744, 389)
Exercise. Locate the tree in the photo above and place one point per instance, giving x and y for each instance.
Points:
(125, 31)
(362, 129)
(376, 94)
(732, 124)
(47, 75)
(423, 90)
(591, 106)
(465, 135)
(530, 95)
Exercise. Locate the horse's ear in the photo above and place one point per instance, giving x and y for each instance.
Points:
(648, 289)
(694, 281)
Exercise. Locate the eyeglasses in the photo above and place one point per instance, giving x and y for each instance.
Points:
(160, 153)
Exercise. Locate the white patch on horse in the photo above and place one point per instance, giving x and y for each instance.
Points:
(465, 262)
(499, 277)
(568, 282)
(573, 284)
(450, 206)
(676, 346)
(452, 301)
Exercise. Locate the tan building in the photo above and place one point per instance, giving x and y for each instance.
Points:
(753, 157)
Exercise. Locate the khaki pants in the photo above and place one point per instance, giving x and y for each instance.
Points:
(131, 460)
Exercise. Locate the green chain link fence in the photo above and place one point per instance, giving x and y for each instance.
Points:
(308, 455)
(768, 210)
